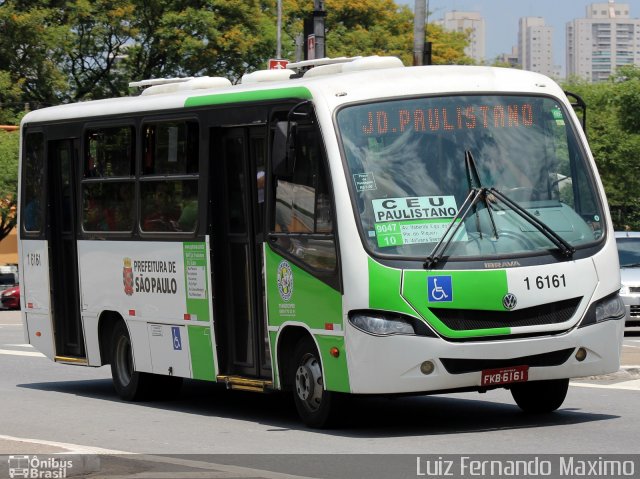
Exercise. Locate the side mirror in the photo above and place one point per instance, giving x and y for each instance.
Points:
(580, 107)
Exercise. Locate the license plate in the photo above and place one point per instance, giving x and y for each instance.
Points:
(495, 377)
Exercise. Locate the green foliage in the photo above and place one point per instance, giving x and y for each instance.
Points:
(613, 128)
(207, 37)
(448, 47)
(372, 27)
(8, 181)
(59, 51)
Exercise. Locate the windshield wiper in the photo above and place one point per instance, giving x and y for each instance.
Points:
(565, 248)
(488, 196)
(477, 193)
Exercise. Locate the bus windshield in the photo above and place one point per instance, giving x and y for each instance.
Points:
(409, 175)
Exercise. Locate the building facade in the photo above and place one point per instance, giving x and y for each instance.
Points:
(605, 40)
(468, 21)
(535, 46)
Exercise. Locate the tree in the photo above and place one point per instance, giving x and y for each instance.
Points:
(207, 37)
(614, 138)
(31, 50)
(8, 181)
(448, 47)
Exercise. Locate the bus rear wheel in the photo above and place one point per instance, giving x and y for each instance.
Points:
(538, 397)
(130, 384)
(314, 404)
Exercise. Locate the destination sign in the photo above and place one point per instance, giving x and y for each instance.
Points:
(451, 118)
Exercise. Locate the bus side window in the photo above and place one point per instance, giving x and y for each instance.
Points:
(32, 198)
(302, 223)
(169, 186)
(108, 180)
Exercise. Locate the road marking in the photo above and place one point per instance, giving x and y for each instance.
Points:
(72, 448)
(19, 345)
(211, 469)
(22, 353)
(630, 346)
(624, 385)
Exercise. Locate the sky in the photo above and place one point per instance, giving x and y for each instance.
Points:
(501, 19)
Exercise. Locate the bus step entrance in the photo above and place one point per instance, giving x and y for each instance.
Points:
(72, 360)
(240, 383)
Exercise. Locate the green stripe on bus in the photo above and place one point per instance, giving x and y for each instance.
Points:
(390, 291)
(336, 376)
(196, 280)
(201, 348)
(384, 289)
(299, 92)
(479, 290)
(310, 300)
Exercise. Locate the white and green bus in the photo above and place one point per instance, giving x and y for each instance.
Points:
(353, 228)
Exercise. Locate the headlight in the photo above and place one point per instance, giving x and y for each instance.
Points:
(381, 324)
(625, 289)
(610, 308)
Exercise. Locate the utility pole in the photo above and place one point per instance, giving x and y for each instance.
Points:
(314, 32)
(418, 31)
(318, 26)
(421, 47)
(279, 30)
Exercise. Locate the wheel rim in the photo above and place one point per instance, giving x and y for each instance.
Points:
(309, 382)
(124, 360)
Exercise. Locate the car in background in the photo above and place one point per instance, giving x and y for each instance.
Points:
(8, 276)
(10, 298)
(629, 255)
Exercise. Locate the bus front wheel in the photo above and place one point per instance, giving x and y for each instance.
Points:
(540, 396)
(313, 403)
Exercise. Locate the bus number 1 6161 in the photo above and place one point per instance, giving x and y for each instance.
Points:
(546, 282)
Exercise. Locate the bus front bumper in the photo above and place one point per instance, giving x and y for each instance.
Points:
(395, 364)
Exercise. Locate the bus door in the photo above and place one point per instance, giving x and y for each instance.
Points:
(239, 156)
(69, 337)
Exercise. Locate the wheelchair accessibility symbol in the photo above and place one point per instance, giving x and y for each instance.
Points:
(177, 342)
(439, 289)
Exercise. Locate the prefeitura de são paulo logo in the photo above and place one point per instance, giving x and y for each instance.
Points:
(127, 276)
(285, 280)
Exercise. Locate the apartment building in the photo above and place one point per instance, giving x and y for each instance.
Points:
(605, 40)
(473, 22)
(535, 46)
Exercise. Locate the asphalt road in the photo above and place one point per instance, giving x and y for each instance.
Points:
(47, 408)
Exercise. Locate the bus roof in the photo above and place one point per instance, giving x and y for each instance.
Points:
(332, 90)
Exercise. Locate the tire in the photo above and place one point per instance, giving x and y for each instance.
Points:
(130, 384)
(539, 397)
(315, 405)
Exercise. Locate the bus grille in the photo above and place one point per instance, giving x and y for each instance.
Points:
(462, 366)
(634, 311)
(467, 319)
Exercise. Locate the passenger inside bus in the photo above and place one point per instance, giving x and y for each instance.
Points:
(160, 211)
